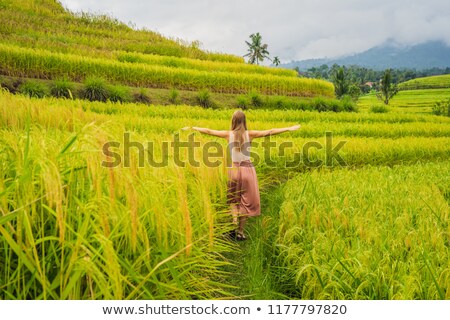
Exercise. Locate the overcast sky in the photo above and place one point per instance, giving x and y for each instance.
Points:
(293, 29)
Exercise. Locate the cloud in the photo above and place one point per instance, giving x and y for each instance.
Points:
(294, 29)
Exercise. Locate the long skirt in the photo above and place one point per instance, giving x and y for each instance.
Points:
(243, 189)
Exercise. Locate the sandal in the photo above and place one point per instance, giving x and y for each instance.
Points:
(240, 237)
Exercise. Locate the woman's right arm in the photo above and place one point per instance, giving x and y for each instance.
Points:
(264, 133)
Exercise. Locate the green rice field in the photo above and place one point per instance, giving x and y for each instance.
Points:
(355, 205)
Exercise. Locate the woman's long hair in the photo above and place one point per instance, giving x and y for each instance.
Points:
(238, 126)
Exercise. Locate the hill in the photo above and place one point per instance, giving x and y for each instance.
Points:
(434, 82)
(46, 24)
(427, 55)
(42, 40)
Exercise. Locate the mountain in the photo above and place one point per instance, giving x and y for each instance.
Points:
(433, 54)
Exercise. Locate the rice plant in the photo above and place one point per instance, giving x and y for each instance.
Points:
(372, 241)
(26, 24)
(74, 229)
(45, 64)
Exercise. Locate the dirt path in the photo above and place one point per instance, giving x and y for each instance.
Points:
(253, 275)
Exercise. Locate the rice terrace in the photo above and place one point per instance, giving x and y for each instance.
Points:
(372, 226)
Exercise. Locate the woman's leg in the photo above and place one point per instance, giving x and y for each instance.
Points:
(235, 213)
(242, 222)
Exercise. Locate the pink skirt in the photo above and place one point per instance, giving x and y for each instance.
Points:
(243, 189)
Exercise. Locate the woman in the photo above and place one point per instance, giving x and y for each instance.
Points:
(243, 190)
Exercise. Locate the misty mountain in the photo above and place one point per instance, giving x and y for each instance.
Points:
(434, 54)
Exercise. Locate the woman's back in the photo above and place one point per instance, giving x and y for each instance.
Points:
(239, 154)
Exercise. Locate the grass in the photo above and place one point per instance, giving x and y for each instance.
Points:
(374, 228)
(202, 65)
(72, 229)
(33, 89)
(26, 23)
(38, 63)
(372, 242)
(62, 88)
(413, 100)
(433, 82)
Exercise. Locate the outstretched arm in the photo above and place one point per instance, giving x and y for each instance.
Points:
(216, 133)
(271, 132)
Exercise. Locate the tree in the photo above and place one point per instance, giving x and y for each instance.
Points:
(354, 92)
(299, 73)
(340, 81)
(276, 61)
(257, 51)
(387, 88)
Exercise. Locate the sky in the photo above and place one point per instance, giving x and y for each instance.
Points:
(293, 29)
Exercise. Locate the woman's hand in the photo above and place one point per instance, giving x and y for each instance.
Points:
(293, 128)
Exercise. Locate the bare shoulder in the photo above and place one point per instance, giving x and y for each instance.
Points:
(252, 134)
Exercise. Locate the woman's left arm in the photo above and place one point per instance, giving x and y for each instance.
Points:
(211, 132)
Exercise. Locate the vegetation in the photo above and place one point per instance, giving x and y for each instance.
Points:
(379, 109)
(33, 89)
(44, 64)
(119, 94)
(62, 88)
(257, 51)
(387, 89)
(434, 82)
(26, 23)
(242, 102)
(368, 79)
(142, 96)
(95, 89)
(372, 225)
(442, 108)
(341, 83)
(276, 61)
(409, 100)
(204, 99)
(117, 223)
(8, 84)
(174, 96)
(201, 65)
(365, 244)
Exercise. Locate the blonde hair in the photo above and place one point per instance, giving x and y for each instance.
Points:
(238, 126)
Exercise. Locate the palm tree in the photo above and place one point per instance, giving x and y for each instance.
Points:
(276, 61)
(257, 51)
(341, 84)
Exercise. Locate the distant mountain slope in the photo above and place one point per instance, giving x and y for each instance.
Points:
(427, 55)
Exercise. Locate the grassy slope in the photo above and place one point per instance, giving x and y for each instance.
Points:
(415, 100)
(78, 46)
(27, 23)
(433, 82)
